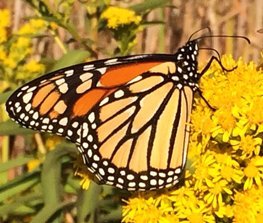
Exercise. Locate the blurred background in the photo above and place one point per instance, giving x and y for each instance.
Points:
(38, 180)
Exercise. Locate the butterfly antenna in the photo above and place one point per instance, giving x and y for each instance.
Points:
(224, 36)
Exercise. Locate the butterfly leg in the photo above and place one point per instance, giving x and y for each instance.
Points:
(201, 95)
(219, 62)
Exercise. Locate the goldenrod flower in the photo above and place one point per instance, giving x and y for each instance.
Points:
(149, 210)
(253, 172)
(248, 145)
(3, 35)
(34, 67)
(118, 17)
(33, 26)
(216, 191)
(229, 168)
(33, 164)
(225, 211)
(204, 170)
(248, 206)
(52, 142)
(5, 18)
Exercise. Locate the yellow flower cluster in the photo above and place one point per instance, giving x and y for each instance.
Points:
(4, 23)
(118, 17)
(224, 172)
(16, 51)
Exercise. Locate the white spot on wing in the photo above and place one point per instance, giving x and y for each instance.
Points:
(60, 81)
(85, 76)
(91, 117)
(102, 70)
(88, 67)
(24, 88)
(179, 69)
(179, 57)
(104, 101)
(118, 93)
(135, 79)
(111, 61)
(69, 72)
(175, 78)
(35, 116)
(28, 107)
(63, 88)
(27, 97)
(63, 121)
(45, 121)
(31, 89)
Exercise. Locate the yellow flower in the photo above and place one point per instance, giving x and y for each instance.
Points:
(201, 120)
(237, 95)
(248, 206)
(248, 145)
(33, 26)
(205, 170)
(4, 18)
(226, 122)
(10, 62)
(22, 42)
(34, 67)
(229, 169)
(141, 209)
(215, 193)
(198, 213)
(2, 53)
(117, 17)
(253, 172)
(254, 116)
(83, 174)
(3, 35)
(225, 211)
(52, 142)
(33, 164)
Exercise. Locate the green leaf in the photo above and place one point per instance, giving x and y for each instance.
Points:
(149, 5)
(19, 161)
(20, 204)
(18, 185)
(11, 128)
(71, 58)
(87, 203)
(52, 184)
(49, 211)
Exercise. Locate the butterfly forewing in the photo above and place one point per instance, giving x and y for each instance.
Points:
(129, 116)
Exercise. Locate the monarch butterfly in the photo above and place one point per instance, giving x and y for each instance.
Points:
(129, 116)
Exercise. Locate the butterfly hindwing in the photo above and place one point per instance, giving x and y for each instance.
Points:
(136, 138)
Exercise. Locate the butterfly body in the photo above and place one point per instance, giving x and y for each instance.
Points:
(128, 116)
